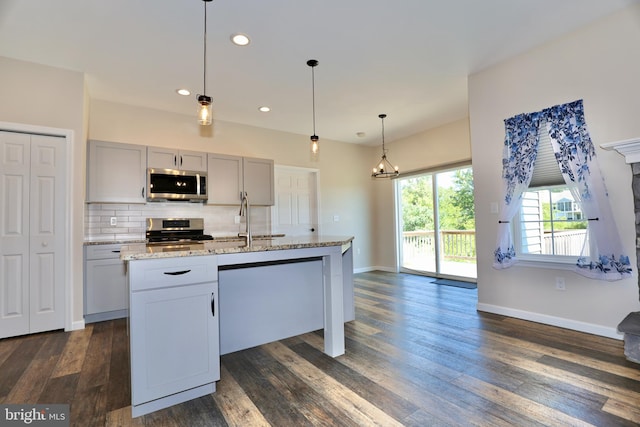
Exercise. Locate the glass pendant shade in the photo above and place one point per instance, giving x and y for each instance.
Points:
(204, 110)
(315, 146)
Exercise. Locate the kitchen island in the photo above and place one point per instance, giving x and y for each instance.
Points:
(273, 289)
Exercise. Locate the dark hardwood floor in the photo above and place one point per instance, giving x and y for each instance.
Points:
(418, 354)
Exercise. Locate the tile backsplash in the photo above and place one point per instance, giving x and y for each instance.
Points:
(131, 219)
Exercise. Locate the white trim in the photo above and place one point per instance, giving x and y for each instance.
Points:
(374, 268)
(629, 148)
(561, 322)
(76, 325)
(68, 135)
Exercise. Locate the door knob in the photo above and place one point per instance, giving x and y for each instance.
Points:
(45, 244)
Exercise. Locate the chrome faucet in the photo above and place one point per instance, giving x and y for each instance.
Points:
(245, 211)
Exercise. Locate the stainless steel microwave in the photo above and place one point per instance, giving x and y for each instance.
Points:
(176, 185)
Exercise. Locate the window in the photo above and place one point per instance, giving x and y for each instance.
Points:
(550, 224)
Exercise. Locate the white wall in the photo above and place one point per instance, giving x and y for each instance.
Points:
(38, 95)
(601, 65)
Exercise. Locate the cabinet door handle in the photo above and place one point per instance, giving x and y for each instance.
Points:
(180, 160)
(116, 252)
(142, 192)
(176, 273)
(213, 305)
(175, 160)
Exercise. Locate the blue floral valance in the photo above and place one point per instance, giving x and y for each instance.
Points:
(575, 154)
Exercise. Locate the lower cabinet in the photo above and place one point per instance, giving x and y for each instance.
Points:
(174, 338)
(105, 283)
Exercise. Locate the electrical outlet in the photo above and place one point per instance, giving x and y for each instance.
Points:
(336, 218)
(560, 286)
(114, 221)
(236, 219)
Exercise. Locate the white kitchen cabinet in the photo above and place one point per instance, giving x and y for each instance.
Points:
(116, 173)
(258, 180)
(229, 176)
(105, 283)
(174, 335)
(167, 158)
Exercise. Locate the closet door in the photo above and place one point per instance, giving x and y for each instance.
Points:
(15, 161)
(46, 229)
(32, 215)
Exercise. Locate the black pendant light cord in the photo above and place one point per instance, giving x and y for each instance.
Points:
(204, 74)
(384, 151)
(313, 97)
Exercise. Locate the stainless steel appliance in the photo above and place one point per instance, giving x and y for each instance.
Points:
(175, 231)
(176, 185)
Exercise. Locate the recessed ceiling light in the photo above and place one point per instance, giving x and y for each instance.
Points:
(240, 39)
(183, 92)
(264, 109)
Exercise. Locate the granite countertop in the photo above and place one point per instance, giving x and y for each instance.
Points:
(135, 251)
(103, 241)
(92, 242)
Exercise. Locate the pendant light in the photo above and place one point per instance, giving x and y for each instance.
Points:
(204, 101)
(315, 147)
(384, 169)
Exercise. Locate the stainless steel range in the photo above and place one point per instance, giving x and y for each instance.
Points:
(169, 231)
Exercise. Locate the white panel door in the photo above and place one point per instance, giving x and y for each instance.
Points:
(15, 160)
(46, 248)
(295, 212)
(32, 169)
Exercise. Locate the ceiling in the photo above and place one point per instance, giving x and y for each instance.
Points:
(407, 58)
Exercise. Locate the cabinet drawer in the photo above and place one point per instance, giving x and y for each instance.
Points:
(168, 272)
(102, 251)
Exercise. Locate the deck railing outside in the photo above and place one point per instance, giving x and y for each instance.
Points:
(457, 245)
(460, 245)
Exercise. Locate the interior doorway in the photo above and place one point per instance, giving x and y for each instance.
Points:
(436, 223)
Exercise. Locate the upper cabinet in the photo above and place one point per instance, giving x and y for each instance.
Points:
(258, 181)
(167, 158)
(116, 172)
(229, 176)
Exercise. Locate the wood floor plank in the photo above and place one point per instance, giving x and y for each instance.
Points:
(260, 390)
(95, 368)
(507, 399)
(119, 383)
(18, 361)
(623, 410)
(354, 407)
(74, 352)
(238, 409)
(122, 418)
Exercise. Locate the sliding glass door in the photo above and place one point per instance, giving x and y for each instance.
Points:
(436, 223)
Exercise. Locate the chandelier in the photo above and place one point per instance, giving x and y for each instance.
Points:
(384, 168)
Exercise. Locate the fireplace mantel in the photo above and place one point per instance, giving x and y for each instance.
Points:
(629, 148)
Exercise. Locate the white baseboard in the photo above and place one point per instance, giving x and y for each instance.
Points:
(79, 324)
(374, 268)
(575, 325)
